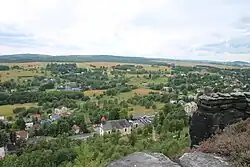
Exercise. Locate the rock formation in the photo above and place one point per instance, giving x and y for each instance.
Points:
(217, 111)
(197, 159)
(140, 159)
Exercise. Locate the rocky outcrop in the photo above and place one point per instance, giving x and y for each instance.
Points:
(197, 159)
(217, 111)
(140, 159)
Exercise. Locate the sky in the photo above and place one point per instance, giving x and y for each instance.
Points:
(216, 30)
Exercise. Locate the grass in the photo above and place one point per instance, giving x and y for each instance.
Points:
(26, 65)
(140, 110)
(159, 80)
(15, 74)
(143, 91)
(7, 110)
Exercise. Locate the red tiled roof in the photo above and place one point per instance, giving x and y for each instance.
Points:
(103, 119)
(23, 134)
(38, 116)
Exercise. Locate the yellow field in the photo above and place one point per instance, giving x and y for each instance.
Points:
(92, 92)
(6, 110)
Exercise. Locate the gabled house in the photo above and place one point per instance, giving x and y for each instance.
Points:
(122, 126)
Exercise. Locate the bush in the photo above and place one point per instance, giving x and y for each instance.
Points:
(233, 143)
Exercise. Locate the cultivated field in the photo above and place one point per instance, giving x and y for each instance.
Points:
(93, 92)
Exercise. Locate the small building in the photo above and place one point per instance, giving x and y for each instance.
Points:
(2, 118)
(36, 116)
(2, 153)
(190, 108)
(173, 101)
(22, 134)
(28, 123)
(121, 125)
(165, 88)
(76, 129)
(141, 121)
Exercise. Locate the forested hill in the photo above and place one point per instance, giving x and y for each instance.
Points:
(75, 58)
(21, 58)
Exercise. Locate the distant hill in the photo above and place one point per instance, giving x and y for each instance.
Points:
(21, 58)
(76, 58)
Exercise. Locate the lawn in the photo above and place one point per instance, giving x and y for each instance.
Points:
(140, 111)
(6, 110)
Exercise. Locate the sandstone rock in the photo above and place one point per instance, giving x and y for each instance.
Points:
(199, 159)
(217, 111)
(140, 159)
(196, 159)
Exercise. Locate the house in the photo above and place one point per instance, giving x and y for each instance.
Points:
(71, 86)
(53, 117)
(62, 112)
(36, 116)
(22, 134)
(141, 121)
(165, 88)
(2, 152)
(122, 126)
(28, 123)
(76, 129)
(1, 118)
(173, 101)
(190, 108)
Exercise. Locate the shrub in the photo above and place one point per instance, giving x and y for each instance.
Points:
(233, 143)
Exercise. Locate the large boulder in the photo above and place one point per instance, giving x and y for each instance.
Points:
(216, 112)
(199, 159)
(140, 159)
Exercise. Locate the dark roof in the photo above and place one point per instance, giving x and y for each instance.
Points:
(116, 124)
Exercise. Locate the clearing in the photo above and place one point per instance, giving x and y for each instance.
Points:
(7, 110)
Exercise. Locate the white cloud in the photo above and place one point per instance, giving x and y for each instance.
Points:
(152, 28)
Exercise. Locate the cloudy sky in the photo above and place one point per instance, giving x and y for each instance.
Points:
(181, 29)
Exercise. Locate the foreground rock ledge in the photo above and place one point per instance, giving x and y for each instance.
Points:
(140, 159)
(197, 159)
